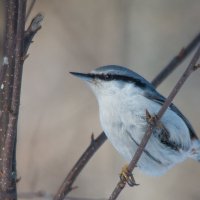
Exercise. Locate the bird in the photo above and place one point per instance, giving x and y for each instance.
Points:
(123, 98)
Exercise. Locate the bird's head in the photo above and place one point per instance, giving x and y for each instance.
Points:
(111, 79)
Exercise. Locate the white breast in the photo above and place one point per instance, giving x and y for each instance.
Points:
(123, 119)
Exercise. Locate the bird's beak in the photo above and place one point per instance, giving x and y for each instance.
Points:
(85, 77)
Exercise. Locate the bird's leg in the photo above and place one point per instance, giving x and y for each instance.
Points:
(162, 133)
(127, 177)
(152, 120)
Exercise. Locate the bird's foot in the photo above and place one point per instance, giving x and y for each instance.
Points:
(152, 120)
(127, 177)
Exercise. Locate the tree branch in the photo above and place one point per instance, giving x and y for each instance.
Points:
(33, 28)
(10, 89)
(6, 72)
(8, 177)
(192, 67)
(176, 61)
(66, 186)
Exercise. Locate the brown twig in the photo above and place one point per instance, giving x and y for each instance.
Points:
(192, 67)
(33, 28)
(71, 177)
(176, 61)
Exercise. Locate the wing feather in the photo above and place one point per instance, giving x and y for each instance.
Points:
(158, 98)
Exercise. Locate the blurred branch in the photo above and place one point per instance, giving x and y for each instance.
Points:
(10, 90)
(66, 186)
(191, 68)
(176, 61)
(30, 8)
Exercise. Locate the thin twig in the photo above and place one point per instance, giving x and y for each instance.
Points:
(66, 186)
(33, 28)
(176, 61)
(30, 9)
(191, 68)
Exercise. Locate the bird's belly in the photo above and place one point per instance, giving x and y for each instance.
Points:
(125, 127)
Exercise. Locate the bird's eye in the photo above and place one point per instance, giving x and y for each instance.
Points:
(108, 77)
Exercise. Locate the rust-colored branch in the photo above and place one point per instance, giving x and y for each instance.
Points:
(192, 67)
(66, 186)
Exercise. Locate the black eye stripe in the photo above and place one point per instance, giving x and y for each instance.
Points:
(111, 77)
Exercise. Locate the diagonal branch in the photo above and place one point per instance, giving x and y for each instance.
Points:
(66, 186)
(191, 68)
(176, 61)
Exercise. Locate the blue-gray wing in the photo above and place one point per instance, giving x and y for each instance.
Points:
(158, 98)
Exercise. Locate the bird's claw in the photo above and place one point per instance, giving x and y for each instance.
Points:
(127, 177)
(152, 120)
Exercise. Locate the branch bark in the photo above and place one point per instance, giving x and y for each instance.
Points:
(66, 186)
(191, 68)
(8, 156)
(10, 89)
(15, 11)
(6, 71)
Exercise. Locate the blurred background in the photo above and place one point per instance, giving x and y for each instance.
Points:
(58, 113)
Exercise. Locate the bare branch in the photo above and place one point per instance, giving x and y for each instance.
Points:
(66, 186)
(6, 81)
(192, 67)
(33, 28)
(10, 88)
(176, 61)
(8, 177)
